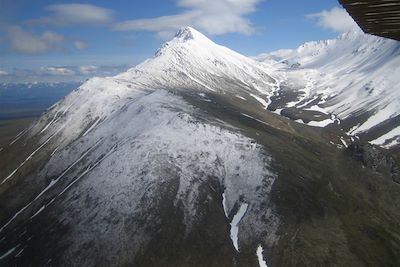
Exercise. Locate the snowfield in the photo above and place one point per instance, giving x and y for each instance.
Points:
(355, 74)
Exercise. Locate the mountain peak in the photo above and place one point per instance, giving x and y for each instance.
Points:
(188, 33)
(186, 36)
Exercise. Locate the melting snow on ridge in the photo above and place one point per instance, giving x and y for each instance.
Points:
(29, 157)
(8, 252)
(48, 187)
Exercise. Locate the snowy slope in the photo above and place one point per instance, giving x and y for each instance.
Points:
(189, 62)
(355, 75)
(193, 61)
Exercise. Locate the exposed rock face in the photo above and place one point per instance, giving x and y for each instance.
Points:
(377, 159)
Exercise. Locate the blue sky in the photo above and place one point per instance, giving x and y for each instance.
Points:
(64, 38)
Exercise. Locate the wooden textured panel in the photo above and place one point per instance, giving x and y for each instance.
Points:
(378, 17)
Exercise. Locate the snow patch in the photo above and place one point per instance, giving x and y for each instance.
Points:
(241, 97)
(224, 205)
(323, 123)
(343, 142)
(37, 212)
(262, 101)
(261, 261)
(388, 136)
(235, 224)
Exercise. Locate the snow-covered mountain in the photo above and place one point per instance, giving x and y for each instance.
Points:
(193, 61)
(355, 77)
(188, 63)
(177, 162)
(145, 153)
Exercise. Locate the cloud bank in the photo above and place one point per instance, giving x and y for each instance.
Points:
(27, 43)
(80, 45)
(213, 17)
(58, 73)
(337, 20)
(31, 43)
(62, 71)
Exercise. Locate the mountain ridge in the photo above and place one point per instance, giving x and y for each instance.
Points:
(354, 75)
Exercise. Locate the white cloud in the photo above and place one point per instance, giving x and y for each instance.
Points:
(87, 69)
(62, 71)
(75, 14)
(28, 43)
(165, 35)
(214, 17)
(3, 73)
(337, 19)
(52, 37)
(80, 45)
